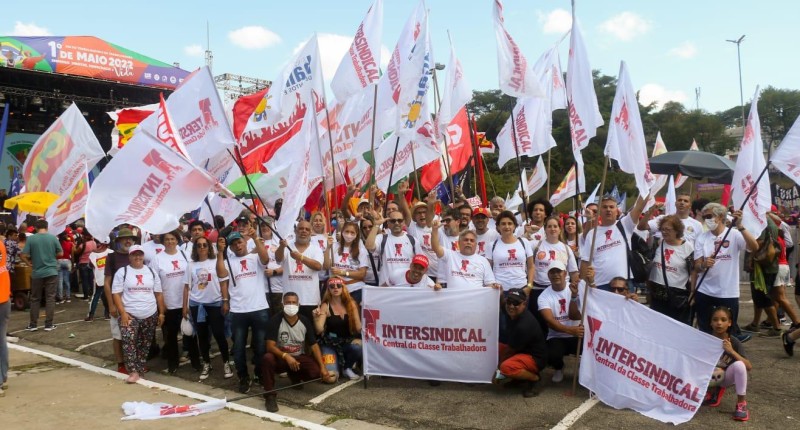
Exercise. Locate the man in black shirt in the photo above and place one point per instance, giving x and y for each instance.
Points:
(526, 351)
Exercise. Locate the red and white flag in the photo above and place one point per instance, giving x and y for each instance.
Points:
(787, 157)
(584, 114)
(62, 154)
(360, 66)
(681, 179)
(456, 93)
(69, 207)
(423, 144)
(566, 188)
(548, 68)
(125, 122)
(626, 142)
(415, 79)
(533, 124)
(517, 78)
(148, 185)
(749, 166)
(459, 150)
(660, 180)
(537, 179)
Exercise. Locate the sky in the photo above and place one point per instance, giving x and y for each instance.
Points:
(671, 47)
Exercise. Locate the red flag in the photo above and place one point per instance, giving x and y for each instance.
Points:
(459, 147)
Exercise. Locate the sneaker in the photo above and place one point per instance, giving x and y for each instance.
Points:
(68, 300)
(558, 376)
(183, 359)
(32, 327)
(772, 332)
(50, 327)
(784, 321)
(765, 324)
(107, 317)
(530, 390)
(226, 369)
(206, 370)
(4, 387)
(714, 397)
(89, 319)
(244, 385)
(743, 337)
(754, 328)
(170, 372)
(788, 344)
(271, 403)
(121, 369)
(350, 374)
(741, 413)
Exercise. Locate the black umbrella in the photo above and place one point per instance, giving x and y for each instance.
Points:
(695, 164)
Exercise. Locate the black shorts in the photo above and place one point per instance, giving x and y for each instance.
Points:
(760, 299)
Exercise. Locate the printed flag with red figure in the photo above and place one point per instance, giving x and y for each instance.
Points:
(517, 78)
(750, 164)
(459, 149)
(566, 188)
(125, 122)
(787, 157)
(360, 66)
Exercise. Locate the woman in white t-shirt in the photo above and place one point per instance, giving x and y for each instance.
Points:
(203, 296)
(320, 238)
(571, 235)
(350, 260)
(549, 250)
(170, 267)
(136, 292)
(273, 272)
(511, 257)
(675, 257)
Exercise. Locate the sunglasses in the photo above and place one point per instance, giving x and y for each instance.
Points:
(708, 216)
(394, 221)
(514, 303)
(201, 245)
(335, 286)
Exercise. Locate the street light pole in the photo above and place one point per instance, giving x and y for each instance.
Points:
(738, 43)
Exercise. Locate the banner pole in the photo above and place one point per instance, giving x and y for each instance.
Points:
(549, 175)
(416, 173)
(391, 173)
(519, 164)
(436, 102)
(372, 143)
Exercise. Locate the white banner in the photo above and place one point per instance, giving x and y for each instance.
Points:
(422, 334)
(636, 358)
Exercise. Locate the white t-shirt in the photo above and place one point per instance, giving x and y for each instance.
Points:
(247, 294)
(610, 255)
(299, 278)
(201, 276)
(276, 282)
(151, 249)
(546, 254)
(462, 271)
(676, 267)
(98, 260)
(343, 261)
(535, 237)
(395, 259)
(251, 245)
(691, 228)
(722, 280)
(422, 236)
(484, 243)
(509, 262)
(171, 270)
(558, 303)
(321, 241)
(138, 290)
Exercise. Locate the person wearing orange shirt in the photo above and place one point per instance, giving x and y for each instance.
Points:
(5, 312)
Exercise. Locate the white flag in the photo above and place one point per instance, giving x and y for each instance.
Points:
(670, 201)
(148, 185)
(660, 180)
(516, 75)
(537, 179)
(60, 156)
(548, 68)
(296, 82)
(423, 144)
(360, 66)
(626, 142)
(592, 197)
(415, 79)
(749, 166)
(566, 188)
(389, 84)
(533, 124)
(787, 157)
(456, 92)
(69, 207)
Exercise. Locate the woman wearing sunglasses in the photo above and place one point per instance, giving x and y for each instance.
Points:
(337, 322)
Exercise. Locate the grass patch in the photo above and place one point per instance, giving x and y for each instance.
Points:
(333, 418)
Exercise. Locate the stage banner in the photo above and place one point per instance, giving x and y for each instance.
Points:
(424, 334)
(636, 358)
(87, 56)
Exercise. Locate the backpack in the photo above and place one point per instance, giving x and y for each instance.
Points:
(638, 254)
(125, 273)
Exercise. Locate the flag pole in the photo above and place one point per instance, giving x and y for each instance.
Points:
(578, 202)
(391, 173)
(549, 175)
(325, 197)
(436, 103)
(330, 141)
(416, 172)
(478, 158)
(586, 290)
(372, 143)
(519, 164)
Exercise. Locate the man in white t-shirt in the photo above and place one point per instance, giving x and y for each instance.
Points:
(610, 250)
(533, 228)
(152, 248)
(560, 309)
(97, 260)
(396, 249)
(464, 268)
(420, 228)
(720, 286)
(416, 275)
(691, 227)
(496, 205)
(485, 236)
(248, 303)
(301, 262)
(196, 229)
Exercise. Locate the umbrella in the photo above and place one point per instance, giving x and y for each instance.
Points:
(239, 186)
(34, 202)
(695, 164)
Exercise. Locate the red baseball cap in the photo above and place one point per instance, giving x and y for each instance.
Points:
(773, 208)
(481, 211)
(420, 259)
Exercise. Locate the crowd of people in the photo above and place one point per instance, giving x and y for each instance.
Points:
(294, 300)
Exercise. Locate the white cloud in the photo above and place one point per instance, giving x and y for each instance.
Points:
(650, 93)
(558, 21)
(194, 50)
(686, 50)
(29, 29)
(625, 26)
(253, 37)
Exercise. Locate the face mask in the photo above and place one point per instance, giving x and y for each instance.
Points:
(711, 224)
(291, 310)
(348, 238)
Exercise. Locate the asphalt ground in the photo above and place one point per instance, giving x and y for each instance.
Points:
(773, 389)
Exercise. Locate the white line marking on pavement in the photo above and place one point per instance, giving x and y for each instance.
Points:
(576, 414)
(82, 347)
(174, 390)
(317, 400)
(42, 327)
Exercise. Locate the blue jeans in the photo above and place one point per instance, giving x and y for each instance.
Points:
(257, 322)
(99, 294)
(64, 268)
(87, 279)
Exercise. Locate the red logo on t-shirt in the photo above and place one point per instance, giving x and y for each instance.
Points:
(552, 255)
(298, 268)
(345, 256)
(321, 244)
(537, 236)
(455, 246)
(244, 265)
(562, 304)
(426, 239)
(398, 249)
(480, 247)
(158, 250)
(512, 254)
(175, 265)
(139, 280)
(608, 235)
(667, 254)
(464, 264)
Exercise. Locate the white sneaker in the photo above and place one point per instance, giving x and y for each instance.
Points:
(350, 374)
(283, 375)
(558, 376)
(226, 369)
(206, 370)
